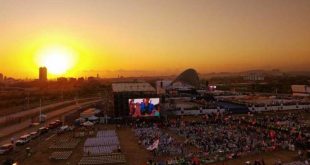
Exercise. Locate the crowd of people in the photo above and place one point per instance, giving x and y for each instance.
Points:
(160, 143)
(222, 137)
(288, 122)
(232, 137)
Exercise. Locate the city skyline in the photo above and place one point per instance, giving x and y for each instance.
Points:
(137, 37)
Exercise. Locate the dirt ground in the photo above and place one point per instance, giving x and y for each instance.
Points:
(135, 154)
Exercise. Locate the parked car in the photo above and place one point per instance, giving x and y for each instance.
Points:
(34, 134)
(43, 130)
(6, 148)
(52, 125)
(23, 139)
(64, 129)
(55, 124)
(58, 122)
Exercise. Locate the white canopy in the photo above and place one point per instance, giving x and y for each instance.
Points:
(93, 118)
(88, 123)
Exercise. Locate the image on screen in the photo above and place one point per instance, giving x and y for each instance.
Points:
(144, 107)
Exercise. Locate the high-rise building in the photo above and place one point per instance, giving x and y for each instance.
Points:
(43, 74)
(1, 77)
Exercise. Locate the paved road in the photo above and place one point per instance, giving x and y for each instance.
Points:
(15, 130)
(18, 115)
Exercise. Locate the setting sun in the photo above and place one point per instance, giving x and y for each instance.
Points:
(57, 59)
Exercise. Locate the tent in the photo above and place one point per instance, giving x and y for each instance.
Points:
(93, 118)
(88, 124)
(65, 127)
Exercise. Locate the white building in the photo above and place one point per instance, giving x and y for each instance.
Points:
(300, 90)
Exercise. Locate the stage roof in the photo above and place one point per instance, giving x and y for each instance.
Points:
(132, 87)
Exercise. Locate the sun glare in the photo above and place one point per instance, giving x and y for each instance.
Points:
(57, 59)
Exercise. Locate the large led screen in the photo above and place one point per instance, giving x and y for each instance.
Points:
(144, 107)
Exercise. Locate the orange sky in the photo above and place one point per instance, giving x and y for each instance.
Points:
(156, 36)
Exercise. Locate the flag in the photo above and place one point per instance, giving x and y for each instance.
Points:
(154, 145)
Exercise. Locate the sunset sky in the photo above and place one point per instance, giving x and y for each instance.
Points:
(153, 36)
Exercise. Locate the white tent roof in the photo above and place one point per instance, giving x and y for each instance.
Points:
(93, 118)
(88, 123)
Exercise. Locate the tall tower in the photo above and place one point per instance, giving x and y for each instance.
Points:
(1, 77)
(43, 74)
